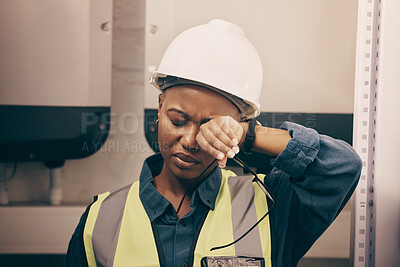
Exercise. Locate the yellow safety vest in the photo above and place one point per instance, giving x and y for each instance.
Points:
(119, 233)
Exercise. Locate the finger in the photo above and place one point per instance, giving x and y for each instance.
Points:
(222, 163)
(239, 132)
(207, 147)
(216, 143)
(229, 126)
(238, 129)
(235, 132)
(244, 128)
(221, 134)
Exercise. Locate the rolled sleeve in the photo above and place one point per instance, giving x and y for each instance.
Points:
(312, 179)
(300, 151)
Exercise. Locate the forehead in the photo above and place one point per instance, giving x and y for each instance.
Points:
(195, 99)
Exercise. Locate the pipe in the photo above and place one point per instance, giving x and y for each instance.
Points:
(55, 193)
(4, 199)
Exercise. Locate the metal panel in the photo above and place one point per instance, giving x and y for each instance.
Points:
(55, 53)
(366, 83)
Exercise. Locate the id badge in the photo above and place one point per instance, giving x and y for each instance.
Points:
(232, 261)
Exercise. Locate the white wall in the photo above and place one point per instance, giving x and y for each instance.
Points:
(307, 47)
(387, 167)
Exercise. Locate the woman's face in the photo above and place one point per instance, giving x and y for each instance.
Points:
(182, 110)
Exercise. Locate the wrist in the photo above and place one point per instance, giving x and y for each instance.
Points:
(270, 141)
(250, 136)
(245, 126)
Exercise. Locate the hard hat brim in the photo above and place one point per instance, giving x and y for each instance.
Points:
(164, 81)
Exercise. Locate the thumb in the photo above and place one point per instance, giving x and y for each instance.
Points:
(222, 162)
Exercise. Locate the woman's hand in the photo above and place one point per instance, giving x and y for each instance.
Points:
(221, 137)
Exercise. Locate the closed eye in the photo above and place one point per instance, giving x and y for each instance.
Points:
(178, 123)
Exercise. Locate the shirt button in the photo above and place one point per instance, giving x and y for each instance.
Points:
(184, 264)
(183, 224)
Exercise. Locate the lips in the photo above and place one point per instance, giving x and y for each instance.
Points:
(185, 157)
(184, 161)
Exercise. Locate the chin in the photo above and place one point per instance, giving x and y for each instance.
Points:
(186, 173)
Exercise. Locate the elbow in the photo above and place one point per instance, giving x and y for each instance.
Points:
(356, 164)
(352, 161)
(351, 173)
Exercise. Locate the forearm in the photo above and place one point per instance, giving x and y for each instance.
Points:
(268, 140)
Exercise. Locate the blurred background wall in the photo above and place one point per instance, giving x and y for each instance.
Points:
(119, 161)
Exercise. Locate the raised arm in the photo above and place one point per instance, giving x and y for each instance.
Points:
(313, 177)
(312, 180)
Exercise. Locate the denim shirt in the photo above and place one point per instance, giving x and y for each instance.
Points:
(312, 179)
(175, 235)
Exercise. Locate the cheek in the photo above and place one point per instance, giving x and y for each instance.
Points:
(166, 137)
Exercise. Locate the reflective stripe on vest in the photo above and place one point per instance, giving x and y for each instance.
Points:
(118, 231)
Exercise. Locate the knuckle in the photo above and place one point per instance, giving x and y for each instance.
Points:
(221, 146)
(226, 121)
(231, 120)
(203, 127)
(201, 140)
(204, 146)
(217, 130)
(213, 123)
(231, 132)
(219, 134)
(226, 128)
(213, 126)
(214, 143)
(198, 138)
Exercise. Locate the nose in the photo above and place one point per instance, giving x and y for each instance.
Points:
(188, 139)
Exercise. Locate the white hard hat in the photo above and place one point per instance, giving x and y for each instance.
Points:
(218, 56)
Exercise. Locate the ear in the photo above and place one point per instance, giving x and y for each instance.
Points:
(160, 101)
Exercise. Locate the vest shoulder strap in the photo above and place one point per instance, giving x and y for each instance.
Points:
(103, 225)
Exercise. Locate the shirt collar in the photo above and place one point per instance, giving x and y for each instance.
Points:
(155, 204)
(209, 188)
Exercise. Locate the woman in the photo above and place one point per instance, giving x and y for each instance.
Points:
(185, 210)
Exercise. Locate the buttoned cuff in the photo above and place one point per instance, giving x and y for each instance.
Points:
(300, 151)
